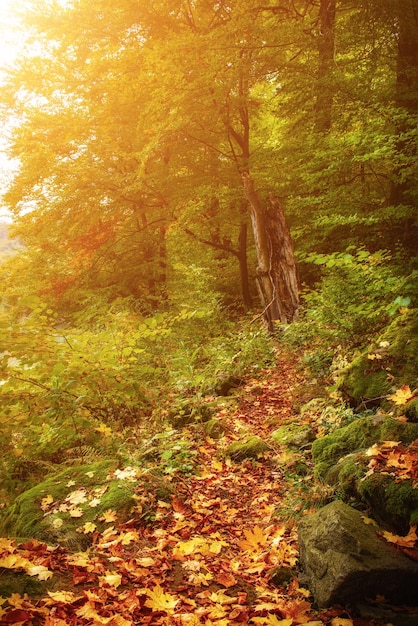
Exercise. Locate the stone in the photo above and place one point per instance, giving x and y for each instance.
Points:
(249, 448)
(346, 562)
(293, 435)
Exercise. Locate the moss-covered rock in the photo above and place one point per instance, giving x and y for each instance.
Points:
(57, 508)
(214, 428)
(394, 504)
(410, 409)
(387, 364)
(360, 434)
(249, 448)
(293, 435)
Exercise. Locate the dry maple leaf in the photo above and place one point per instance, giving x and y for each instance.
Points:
(40, 571)
(401, 396)
(108, 516)
(77, 497)
(254, 540)
(46, 502)
(226, 580)
(160, 601)
(272, 620)
(113, 579)
(404, 542)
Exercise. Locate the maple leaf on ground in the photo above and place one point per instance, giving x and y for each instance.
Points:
(40, 571)
(160, 601)
(272, 620)
(77, 497)
(254, 540)
(113, 579)
(46, 502)
(402, 395)
(108, 516)
(226, 580)
(403, 542)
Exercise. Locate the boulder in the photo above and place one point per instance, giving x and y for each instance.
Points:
(387, 364)
(249, 448)
(346, 562)
(293, 435)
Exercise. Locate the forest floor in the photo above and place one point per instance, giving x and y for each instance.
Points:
(221, 549)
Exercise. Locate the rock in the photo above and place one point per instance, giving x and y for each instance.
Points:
(293, 435)
(249, 448)
(360, 434)
(214, 428)
(387, 364)
(91, 489)
(345, 562)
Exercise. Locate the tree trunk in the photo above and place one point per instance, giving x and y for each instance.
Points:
(326, 51)
(406, 97)
(276, 272)
(243, 266)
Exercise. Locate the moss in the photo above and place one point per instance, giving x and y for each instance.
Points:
(214, 428)
(26, 517)
(362, 433)
(411, 410)
(249, 448)
(394, 504)
(388, 363)
(293, 435)
(346, 474)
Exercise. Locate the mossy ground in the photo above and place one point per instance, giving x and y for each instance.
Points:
(388, 363)
(48, 513)
(360, 434)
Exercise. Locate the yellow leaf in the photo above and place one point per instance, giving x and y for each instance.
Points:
(271, 620)
(255, 540)
(368, 520)
(402, 395)
(63, 596)
(14, 561)
(160, 601)
(341, 621)
(95, 502)
(46, 502)
(104, 430)
(88, 527)
(77, 497)
(90, 474)
(40, 571)
(128, 537)
(109, 516)
(112, 579)
(76, 512)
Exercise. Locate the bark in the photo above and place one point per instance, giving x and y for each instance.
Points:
(406, 94)
(276, 272)
(326, 51)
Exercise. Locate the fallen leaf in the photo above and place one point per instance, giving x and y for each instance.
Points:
(160, 601)
(404, 542)
(402, 395)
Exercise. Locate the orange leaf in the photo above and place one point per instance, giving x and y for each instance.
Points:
(254, 540)
(404, 542)
(226, 580)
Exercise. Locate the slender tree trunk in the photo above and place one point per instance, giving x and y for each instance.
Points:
(276, 272)
(243, 266)
(406, 95)
(326, 51)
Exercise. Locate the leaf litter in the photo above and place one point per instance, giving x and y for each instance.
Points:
(207, 558)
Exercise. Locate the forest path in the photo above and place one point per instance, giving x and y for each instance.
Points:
(217, 552)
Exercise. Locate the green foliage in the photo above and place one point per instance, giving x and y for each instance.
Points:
(357, 297)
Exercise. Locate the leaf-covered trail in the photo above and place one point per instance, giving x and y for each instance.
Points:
(209, 557)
